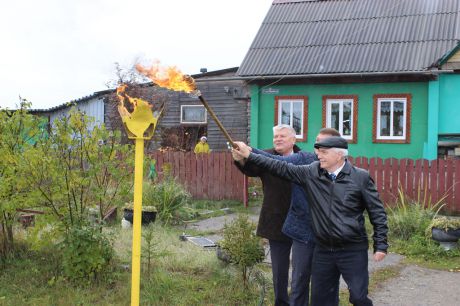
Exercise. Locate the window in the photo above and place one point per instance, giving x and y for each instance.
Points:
(340, 113)
(292, 111)
(194, 114)
(392, 118)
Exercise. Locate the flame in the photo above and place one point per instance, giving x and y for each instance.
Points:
(168, 77)
(140, 119)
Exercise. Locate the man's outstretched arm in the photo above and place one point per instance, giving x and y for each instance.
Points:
(298, 158)
(293, 173)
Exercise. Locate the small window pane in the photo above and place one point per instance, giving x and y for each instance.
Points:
(385, 118)
(286, 113)
(398, 119)
(335, 115)
(346, 119)
(297, 117)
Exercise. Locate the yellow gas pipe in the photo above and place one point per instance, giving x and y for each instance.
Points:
(140, 125)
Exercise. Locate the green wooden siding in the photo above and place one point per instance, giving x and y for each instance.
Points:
(263, 112)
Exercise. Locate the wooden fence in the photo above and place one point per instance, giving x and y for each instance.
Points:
(214, 177)
(427, 181)
(206, 176)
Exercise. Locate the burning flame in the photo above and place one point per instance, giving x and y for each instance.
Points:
(141, 118)
(169, 77)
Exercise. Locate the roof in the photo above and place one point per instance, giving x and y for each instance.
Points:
(310, 37)
(72, 102)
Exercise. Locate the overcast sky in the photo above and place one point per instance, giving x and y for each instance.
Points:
(54, 51)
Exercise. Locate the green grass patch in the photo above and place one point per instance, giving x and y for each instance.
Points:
(188, 275)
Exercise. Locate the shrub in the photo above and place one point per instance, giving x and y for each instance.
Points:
(411, 217)
(242, 245)
(86, 254)
(444, 223)
(19, 131)
(168, 197)
(78, 166)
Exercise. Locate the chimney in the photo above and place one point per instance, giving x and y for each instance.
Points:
(204, 70)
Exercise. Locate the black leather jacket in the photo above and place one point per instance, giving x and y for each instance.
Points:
(337, 207)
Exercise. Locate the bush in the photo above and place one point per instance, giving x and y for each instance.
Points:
(242, 245)
(168, 197)
(410, 217)
(86, 254)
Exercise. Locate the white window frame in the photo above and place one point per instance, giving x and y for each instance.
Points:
(329, 102)
(391, 137)
(291, 102)
(193, 122)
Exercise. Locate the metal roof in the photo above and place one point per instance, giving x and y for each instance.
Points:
(352, 36)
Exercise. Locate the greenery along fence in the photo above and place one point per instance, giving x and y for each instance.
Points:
(206, 176)
(419, 179)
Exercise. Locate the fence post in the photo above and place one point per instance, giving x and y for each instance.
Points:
(245, 191)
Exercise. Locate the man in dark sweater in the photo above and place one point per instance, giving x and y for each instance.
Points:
(339, 193)
(275, 206)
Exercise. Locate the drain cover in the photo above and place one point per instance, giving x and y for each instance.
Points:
(201, 241)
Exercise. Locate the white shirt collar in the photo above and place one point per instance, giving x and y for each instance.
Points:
(337, 171)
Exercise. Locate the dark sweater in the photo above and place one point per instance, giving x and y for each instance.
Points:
(276, 202)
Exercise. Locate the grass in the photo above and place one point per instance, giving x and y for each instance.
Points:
(188, 275)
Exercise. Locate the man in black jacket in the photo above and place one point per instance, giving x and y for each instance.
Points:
(275, 206)
(338, 193)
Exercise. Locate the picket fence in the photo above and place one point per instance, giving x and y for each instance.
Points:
(206, 176)
(214, 176)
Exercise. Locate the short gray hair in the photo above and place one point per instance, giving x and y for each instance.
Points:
(343, 151)
(283, 127)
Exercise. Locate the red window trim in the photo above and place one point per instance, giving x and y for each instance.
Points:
(305, 115)
(355, 113)
(408, 98)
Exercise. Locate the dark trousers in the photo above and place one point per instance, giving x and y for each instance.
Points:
(302, 255)
(279, 254)
(326, 271)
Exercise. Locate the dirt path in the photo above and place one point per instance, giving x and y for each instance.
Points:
(417, 286)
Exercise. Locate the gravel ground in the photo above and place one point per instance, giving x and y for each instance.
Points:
(415, 286)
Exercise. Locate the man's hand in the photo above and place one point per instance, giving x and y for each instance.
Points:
(378, 256)
(237, 156)
(241, 152)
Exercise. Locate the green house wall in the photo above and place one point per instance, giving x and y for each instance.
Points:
(263, 112)
(449, 104)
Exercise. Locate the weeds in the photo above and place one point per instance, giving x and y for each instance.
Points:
(168, 197)
(408, 224)
(411, 217)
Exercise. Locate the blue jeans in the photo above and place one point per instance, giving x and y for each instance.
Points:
(302, 255)
(279, 254)
(328, 266)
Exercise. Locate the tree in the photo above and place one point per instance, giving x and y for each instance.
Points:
(80, 167)
(19, 132)
(242, 245)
